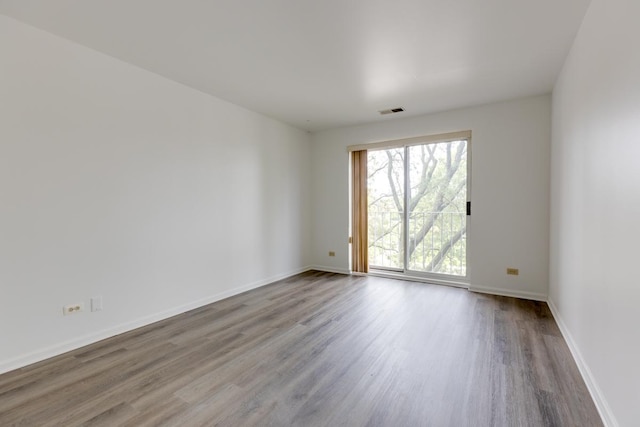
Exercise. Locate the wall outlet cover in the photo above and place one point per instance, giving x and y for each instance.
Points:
(73, 308)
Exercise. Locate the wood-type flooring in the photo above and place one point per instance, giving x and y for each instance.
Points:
(318, 349)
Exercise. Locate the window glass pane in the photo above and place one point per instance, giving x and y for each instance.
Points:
(386, 203)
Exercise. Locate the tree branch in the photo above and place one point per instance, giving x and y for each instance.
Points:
(396, 199)
(435, 263)
(452, 168)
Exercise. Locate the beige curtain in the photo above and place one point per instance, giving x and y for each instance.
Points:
(359, 227)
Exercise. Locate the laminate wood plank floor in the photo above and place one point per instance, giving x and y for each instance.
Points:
(318, 349)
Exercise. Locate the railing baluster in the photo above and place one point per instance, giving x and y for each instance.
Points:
(387, 243)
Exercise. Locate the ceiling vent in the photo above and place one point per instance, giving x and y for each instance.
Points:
(392, 111)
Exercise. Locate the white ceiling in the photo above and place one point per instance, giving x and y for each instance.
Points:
(318, 64)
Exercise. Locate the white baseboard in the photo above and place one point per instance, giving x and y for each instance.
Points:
(329, 269)
(58, 349)
(535, 296)
(602, 406)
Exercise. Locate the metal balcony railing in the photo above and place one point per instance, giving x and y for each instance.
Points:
(437, 241)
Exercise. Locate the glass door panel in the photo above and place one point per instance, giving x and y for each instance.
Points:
(385, 193)
(437, 199)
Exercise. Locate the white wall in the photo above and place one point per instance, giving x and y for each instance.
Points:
(595, 206)
(117, 182)
(510, 190)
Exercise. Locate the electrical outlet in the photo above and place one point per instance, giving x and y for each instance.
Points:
(96, 303)
(513, 271)
(332, 253)
(72, 308)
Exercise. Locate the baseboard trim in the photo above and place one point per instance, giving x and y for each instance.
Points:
(535, 296)
(329, 269)
(608, 419)
(64, 347)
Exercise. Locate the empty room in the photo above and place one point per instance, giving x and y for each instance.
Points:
(319, 213)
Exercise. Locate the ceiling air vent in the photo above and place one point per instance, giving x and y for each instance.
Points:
(392, 111)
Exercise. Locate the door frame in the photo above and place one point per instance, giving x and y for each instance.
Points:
(405, 273)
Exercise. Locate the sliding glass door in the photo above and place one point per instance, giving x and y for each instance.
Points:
(417, 208)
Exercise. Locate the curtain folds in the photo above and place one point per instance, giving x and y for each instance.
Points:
(359, 227)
